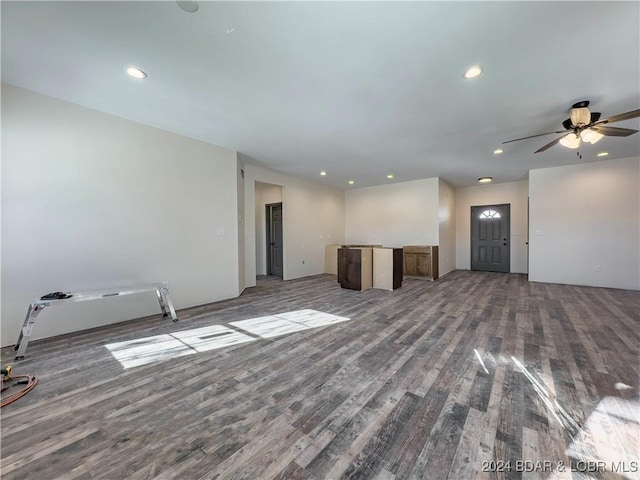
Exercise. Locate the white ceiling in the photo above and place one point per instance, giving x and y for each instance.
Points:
(357, 89)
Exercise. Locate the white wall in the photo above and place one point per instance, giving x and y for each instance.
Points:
(394, 215)
(91, 200)
(312, 217)
(447, 228)
(586, 215)
(265, 194)
(514, 193)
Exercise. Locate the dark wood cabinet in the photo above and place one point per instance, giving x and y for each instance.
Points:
(355, 268)
(331, 256)
(421, 261)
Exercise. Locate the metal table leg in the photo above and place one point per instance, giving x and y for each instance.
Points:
(27, 329)
(167, 298)
(161, 302)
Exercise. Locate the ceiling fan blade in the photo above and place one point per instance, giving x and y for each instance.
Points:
(550, 144)
(622, 116)
(532, 136)
(613, 131)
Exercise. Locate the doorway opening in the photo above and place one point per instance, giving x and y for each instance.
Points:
(273, 216)
(267, 196)
(491, 238)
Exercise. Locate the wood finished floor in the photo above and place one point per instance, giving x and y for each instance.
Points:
(435, 380)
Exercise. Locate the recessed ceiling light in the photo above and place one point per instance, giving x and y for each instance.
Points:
(351, 182)
(187, 6)
(498, 151)
(602, 154)
(323, 174)
(136, 73)
(473, 72)
(485, 179)
(390, 176)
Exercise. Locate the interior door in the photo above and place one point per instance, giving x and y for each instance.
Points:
(274, 239)
(490, 238)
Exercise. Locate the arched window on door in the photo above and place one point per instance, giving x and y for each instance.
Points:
(489, 214)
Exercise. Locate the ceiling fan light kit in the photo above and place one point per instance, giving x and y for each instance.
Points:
(570, 141)
(591, 136)
(580, 116)
(586, 126)
(573, 141)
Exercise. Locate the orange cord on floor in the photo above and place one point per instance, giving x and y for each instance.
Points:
(32, 381)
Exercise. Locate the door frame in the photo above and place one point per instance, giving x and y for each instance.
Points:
(508, 207)
(268, 229)
(527, 242)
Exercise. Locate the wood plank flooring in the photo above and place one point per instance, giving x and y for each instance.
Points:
(476, 375)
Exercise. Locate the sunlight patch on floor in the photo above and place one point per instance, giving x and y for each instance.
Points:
(283, 323)
(212, 337)
(142, 351)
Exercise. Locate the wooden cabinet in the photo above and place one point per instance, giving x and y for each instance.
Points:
(355, 268)
(387, 268)
(421, 261)
(331, 256)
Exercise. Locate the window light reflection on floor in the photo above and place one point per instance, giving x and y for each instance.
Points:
(142, 351)
(604, 446)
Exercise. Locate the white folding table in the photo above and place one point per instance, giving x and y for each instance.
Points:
(161, 289)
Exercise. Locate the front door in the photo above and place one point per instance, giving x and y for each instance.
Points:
(490, 238)
(274, 239)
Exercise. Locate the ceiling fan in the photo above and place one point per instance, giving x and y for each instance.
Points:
(584, 125)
